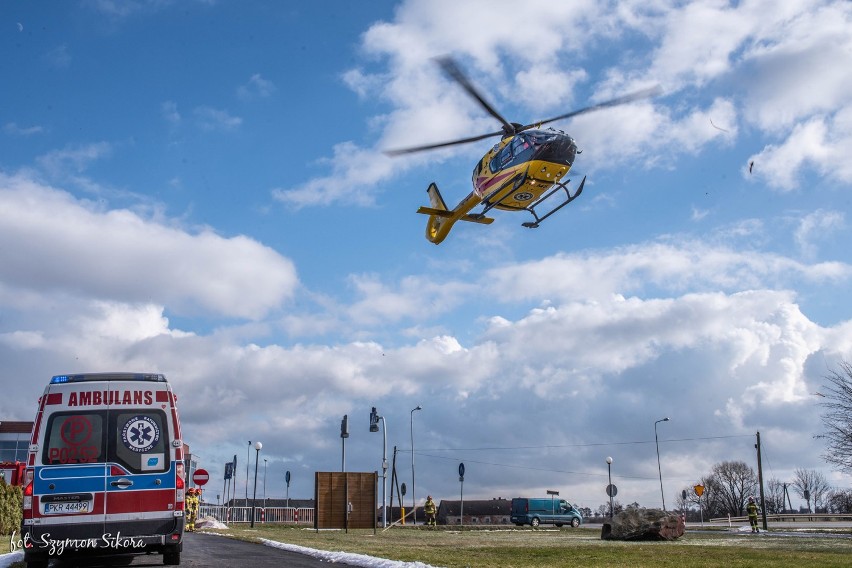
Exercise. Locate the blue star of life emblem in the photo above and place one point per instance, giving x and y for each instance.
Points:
(140, 434)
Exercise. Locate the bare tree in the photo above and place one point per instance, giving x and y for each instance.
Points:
(774, 496)
(840, 501)
(837, 418)
(732, 483)
(811, 486)
(603, 510)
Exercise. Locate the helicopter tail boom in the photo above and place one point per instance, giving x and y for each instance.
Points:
(449, 215)
(439, 208)
(441, 219)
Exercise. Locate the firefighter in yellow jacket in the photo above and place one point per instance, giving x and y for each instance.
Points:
(191, 503)
(430, 510)
(752, 511)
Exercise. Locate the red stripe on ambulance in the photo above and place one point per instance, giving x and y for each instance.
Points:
(140, 501)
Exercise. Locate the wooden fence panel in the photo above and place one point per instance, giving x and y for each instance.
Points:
(345, 500)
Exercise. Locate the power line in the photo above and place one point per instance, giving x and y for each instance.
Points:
(533, 468)
(424, 453)
(588, 445)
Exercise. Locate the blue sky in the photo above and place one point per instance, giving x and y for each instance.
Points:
(200, 189)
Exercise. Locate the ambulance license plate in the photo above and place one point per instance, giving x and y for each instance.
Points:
(67, 508)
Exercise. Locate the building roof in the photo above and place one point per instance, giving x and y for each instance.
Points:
(15, 427)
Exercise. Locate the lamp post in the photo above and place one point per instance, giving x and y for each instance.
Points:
(248, 448)
(287, 479)
(659, 469)
(413, 499)
(609, 490)
(344, 433)
(257, 447)
(374, 427)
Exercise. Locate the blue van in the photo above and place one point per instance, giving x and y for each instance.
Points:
(552, 511)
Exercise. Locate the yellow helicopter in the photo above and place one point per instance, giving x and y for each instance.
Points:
(522, 171)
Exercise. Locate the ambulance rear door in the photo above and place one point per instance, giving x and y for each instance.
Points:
(69, 483)
(140, 480)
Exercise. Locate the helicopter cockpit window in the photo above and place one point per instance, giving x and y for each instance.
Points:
(518, 150)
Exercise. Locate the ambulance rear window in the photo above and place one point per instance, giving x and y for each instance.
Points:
(136, 439)
(74, 437)
(141, 440)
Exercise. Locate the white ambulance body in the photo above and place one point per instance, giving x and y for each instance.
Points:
(105, 469)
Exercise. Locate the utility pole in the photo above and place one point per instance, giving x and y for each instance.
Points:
(787, 495)
(393, 480)
(760, 481)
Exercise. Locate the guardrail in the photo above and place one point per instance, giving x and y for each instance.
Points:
(291, 515)
(790, 517)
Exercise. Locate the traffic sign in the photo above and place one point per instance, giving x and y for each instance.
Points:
(200, 476)
(699, 489)
(287, 477)
(611, 490)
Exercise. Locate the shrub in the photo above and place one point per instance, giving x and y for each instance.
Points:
(11, 507)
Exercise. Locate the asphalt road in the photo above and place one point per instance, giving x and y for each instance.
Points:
(208, 550)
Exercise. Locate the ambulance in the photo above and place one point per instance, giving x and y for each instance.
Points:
(105, 472)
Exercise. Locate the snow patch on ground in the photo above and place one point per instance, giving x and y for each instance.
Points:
(7, 560)
(349, 558)
(209, 523)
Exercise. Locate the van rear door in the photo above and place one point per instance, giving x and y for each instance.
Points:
(140, 481)
(71, 491)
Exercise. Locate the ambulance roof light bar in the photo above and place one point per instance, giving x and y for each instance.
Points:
(86, 377)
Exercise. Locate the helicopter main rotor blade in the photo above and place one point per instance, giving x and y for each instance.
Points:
(425, 147)
(452, 69)
(635, 96)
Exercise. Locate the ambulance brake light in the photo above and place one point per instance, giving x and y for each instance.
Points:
(28, 497)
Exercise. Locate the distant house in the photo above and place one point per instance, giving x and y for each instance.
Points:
(476, 512)
(14, 440)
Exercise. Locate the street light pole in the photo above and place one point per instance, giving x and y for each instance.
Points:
(609, 474)
(413, 499)
(659, 469)
(374, 427)
(257, 447)
(247, 469)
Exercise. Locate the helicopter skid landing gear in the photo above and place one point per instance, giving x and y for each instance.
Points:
(568, 199)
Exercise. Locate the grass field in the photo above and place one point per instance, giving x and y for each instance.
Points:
(580, 548)
(527, 548)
